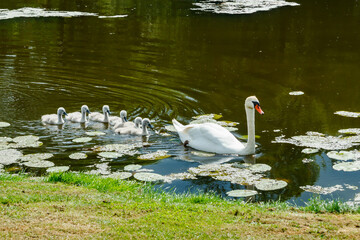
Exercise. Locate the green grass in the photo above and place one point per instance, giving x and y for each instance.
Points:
(73, 206)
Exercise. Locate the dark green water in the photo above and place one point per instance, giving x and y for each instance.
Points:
(167, 61)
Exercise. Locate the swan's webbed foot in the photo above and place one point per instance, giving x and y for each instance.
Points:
(186, 143)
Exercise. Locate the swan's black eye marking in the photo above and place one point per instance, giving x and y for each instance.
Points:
(256, 103)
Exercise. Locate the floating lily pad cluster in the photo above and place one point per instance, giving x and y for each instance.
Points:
(322, 190)
(77, 156)
(242, 193)
(244, 174)
(125, 149)
(28, 141)
(82, 140)
(159, 154)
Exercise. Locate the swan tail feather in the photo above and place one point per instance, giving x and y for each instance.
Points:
(178, 126)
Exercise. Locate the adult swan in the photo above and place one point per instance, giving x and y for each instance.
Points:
(211, 137)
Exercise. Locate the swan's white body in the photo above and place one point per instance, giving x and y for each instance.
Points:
(211, 137)
(78, 117)
(54, 119)
(101, 117)
(136, 130)
(119, 121)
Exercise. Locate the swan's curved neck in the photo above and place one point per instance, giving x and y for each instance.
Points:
(83, 115)
(145, 131)
(60, 119)
(250, 145)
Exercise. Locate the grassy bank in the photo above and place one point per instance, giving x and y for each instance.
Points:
(77, 206)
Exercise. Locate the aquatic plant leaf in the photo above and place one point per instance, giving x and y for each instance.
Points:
(9, 156)
(226, 172)
(344, 155)
(36, 156)
(307, 160)
(149, 177)
(296, 93)
(327, 143)
(38, 163)
(270, 184)
(5, 139)
(239, 7)
(27, 139)
(350, 131)
(121, 148)
(132, 167)
(119, 175)
(347, 166)
(202, 154)
(95, 133)
(348, 114)
(110, 154)
(82, 140)
(58, 169)
(4, 124)
(322, 190)
(259, 167)
(159, 154)
(242, 193)
(348, 186)
(310, 150)
(77, 156)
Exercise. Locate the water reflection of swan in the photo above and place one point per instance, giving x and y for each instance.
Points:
(211, 137)
(54, 119)
(101, 117)
(77, 116)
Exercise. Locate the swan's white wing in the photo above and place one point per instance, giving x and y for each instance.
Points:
(73, 116)
(210, 137)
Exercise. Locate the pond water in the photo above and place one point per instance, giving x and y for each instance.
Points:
(167, 59)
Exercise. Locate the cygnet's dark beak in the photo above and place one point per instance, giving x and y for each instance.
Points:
(65, 113)
(125, 119)
(151, 126)
(88, 111)
(108, 112)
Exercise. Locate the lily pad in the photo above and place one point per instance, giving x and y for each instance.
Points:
(132, 167)
(9, 156)
(82, 140)
(78, 155)
(159, 154)
(5, 139)
(109, 154)
(202, 154)
(322, 190)
(350, 131)
(344, 155)
(259, 167)
(310, 150)
(58, 169)
(95, 133)
(242, 193)
(36, 156)
(149, 177)
(347, 166)
(296, 93)
(4, 124)
(307, 160)
(38, 163)
(25, 142)
(120, 148)
(27, 139)
(270, 184)
(348, 114)
(120, 175)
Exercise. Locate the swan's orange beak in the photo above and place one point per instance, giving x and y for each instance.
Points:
(258, 108)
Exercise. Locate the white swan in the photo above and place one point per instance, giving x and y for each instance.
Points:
(54, 119)
(136, 131)
(211, 137)
(78, 117)
(113, 120)
(101, 117)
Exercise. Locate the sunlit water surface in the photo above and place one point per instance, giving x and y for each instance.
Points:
(172, 59)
